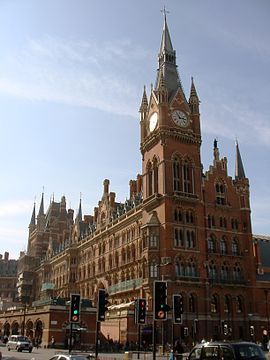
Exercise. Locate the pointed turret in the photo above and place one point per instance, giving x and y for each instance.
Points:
(239, 168)
(193, 99)
(167, 71)
(33, 217)
(79, 214)
(41, 208)
(144, 103)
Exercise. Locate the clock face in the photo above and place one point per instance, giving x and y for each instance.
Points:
(153, 121)
(180, 118)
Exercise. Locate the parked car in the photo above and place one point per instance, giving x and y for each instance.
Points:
(19, 343)
(71, 357)
(226, 351)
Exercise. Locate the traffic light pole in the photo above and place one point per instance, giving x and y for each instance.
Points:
(139, 340)
(97, 338)
(154, 339)
(70, 339)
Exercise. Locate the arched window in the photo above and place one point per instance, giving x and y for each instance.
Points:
(239, 304)
(187, 171)
(237, 272)
(178, 237)
(183, 176)
(191, 269)
(149, 179)
(153, 270)
(179, 268)
(224, 273)
(176, 174)
(214, 303)
(155, 176)
(235, 248)
(223, 246)
(227, 304)
(211, 244)
(212, 271)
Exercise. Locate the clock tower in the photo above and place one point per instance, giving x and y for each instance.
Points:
(170, 131)
(172, 213)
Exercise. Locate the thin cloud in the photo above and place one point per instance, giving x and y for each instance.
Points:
(73, 72)
(223, 117)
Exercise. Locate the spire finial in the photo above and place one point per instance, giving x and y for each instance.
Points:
(164, 12)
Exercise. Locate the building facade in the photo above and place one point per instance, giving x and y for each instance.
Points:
(179, 224)
(8, 280)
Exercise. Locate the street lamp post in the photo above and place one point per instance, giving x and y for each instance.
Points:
(267, 309)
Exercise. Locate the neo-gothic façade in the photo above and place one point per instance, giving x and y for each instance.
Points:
(190, 228)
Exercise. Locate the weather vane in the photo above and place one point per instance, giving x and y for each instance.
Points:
(164, 11)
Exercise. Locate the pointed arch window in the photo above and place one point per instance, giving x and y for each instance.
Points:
(149, 180)
(212, 271)
(178, 237)
(224, 273)
(239, 304)
(176, 174)
(179, 268)
(214, 304)
(155, 176)
(187, 173)
(235, 247)
(211, 244)
(223, 246)
(237, 272)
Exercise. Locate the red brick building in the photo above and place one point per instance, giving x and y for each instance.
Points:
(188, 227)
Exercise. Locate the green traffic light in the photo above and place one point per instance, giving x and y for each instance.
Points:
(75, 312)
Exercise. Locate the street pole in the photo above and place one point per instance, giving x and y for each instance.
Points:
(23, 324)
(97, 338)
(139, 341)
(154, 339)
(70, 339)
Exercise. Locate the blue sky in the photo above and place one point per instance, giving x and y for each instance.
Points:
(71, 79)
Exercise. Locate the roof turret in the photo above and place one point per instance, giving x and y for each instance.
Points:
(239, 168)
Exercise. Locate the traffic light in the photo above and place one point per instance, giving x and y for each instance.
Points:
(160, 300)
(251, 329)
(75, 301)
(225, 329)
(178, 308)
(102, 304)
(140, 311)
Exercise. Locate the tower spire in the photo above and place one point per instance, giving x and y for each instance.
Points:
(193, 99)
(167, 70)
(33, 217)
(79, 214)
(41, 208)
(239, 168)
(144, 103)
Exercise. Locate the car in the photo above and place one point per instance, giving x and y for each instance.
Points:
(226, 351)
(72, 357)
(19, 343)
